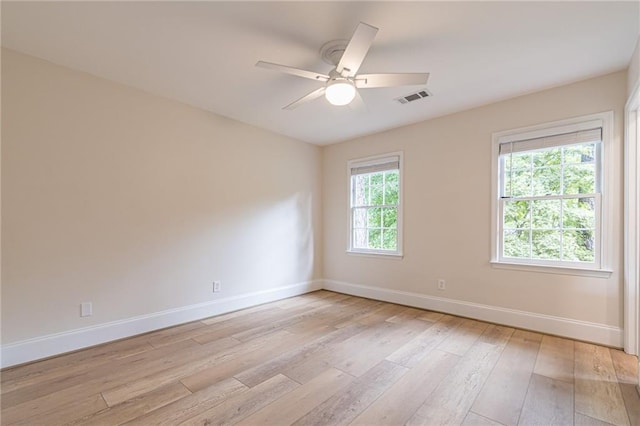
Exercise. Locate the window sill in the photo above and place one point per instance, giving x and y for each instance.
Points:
(375, 254)
(563, 270)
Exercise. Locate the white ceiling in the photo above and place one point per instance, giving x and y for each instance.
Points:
(203, 53)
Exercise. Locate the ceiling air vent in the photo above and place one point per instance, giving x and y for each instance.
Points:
(413, 97)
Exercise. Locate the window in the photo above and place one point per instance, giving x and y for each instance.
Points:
(375, 205)
(548, 203)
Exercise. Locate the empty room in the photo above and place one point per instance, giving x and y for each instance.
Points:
(320, 213)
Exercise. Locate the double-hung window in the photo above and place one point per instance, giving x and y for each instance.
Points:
(550, 195)
(375, 213)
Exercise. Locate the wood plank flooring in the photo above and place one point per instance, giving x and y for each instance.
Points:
(329, 359)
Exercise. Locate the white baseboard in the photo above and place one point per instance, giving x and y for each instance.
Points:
(55, 344)
(601, 334)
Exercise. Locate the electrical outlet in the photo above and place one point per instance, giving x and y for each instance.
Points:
(442, 285)
(86, 309)
(216, 286)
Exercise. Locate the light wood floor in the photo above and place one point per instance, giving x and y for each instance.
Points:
(329, 359)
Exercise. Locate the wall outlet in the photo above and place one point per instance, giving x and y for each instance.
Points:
(442, 285)
(86, 309)
(216, 286)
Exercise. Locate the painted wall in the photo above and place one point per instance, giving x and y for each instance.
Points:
(447, 209)
(633, 77)
(137, 203)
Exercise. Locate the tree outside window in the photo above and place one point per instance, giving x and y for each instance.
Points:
(375, 205)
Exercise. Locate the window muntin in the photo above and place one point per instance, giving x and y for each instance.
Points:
(375, 210)
(549, 207)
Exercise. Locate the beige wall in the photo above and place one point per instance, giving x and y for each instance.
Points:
(633, 78)
(447, 208)
(137, 203)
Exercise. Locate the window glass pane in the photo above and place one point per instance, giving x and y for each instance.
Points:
(506, 161)
(546, 180)
(376, 178)
(374, 227)
(375, 238)
(389, 239)
(516, 214)
(391, 177)
(580, 179)
(374, 217)
(516, 243)
(389, 217)
(548, 199)
(545, 244)
(360, 218)
(360, 238)
(578, 245)
(390, 194)
(579, 153)
(579, 213)
(546, 214)
(520, 182)
(547, 157)
(376, 195)
(505, 189)
(361, 187)
(521, 160)
(391, 188)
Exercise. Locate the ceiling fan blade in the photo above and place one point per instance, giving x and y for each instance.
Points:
(306, 98)
(367, 81)
(294, 71)
(356, 50)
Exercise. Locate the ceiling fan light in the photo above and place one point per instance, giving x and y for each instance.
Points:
(340, 92)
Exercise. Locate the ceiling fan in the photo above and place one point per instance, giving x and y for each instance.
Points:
(343, 81)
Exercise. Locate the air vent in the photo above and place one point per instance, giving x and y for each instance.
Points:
(413, 97)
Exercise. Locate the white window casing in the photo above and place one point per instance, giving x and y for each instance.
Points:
(594, 129)
(632, 225)
(371, 166)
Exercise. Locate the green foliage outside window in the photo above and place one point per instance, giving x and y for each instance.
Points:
(545, 216)
(375, 212)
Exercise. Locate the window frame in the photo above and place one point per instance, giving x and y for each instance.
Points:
(370, 161)
(604, 201)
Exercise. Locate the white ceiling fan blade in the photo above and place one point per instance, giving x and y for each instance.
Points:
(356, 50)
(306, 98)
(294, 71)
(367, 81)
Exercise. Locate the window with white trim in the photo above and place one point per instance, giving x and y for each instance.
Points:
(376, 205)
(549, 195)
